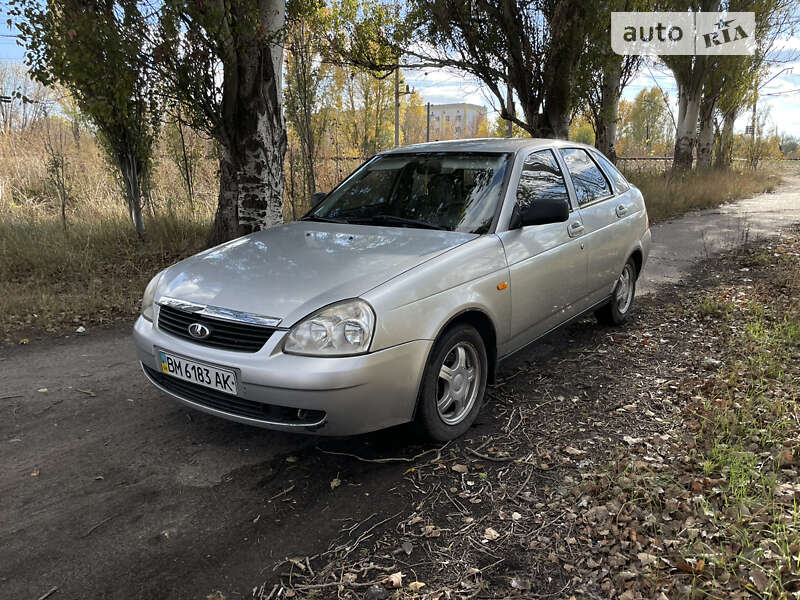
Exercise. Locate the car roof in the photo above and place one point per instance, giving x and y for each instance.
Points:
(483, 145)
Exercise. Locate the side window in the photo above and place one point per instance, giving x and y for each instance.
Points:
(590, 183)
(540, 178)
(617, 180)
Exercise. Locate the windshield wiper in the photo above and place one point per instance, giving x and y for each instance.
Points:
(323, 219)
(393, 220)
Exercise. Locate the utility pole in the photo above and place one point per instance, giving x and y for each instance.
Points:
(509, 103)
(397, 106)
(428, 125)
(397, 94)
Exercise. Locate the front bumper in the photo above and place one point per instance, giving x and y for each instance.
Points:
(356, 393)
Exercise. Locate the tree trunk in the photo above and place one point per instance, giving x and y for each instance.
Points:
(132, 180)
(253, 134)
(226, 221)
(686, 131)
(705, 140)
(606, 135)
(690, 74)
(725, 143)
(567, 29)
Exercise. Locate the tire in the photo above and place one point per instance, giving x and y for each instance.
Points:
(460, 351)
(616, 312)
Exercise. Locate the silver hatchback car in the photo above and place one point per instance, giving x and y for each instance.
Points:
(394, 299)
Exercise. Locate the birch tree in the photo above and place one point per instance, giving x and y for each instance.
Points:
(609, 73)
(223, 62)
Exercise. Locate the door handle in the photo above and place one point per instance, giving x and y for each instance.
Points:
(576, 228)
(621, 210)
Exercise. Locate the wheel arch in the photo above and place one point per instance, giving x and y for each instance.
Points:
(484, 325)
(638, 259)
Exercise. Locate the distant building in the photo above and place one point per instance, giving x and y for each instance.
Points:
(461, 120)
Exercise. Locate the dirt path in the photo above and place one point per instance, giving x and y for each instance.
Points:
(679, 243)
(109, 490)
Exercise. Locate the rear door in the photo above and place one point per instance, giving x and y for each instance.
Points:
(605, 213)
(547, 263)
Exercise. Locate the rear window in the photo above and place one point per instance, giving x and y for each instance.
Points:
(590, 183)
(540, 178)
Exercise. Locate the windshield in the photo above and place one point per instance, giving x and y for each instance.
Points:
(449, 191)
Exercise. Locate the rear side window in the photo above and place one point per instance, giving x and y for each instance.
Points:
(540, 178)
(590, 183)
(617, 180)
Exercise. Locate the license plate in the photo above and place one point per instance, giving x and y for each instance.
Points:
(208, 376)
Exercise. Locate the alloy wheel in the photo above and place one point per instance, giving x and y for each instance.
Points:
(458, 384)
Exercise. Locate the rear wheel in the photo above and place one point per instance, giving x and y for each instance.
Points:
(453, 385)
(617, 310)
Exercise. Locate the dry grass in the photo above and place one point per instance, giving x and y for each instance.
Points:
(669, 196)
(92, 274)
(93, 270)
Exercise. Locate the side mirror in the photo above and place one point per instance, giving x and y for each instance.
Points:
(316, 198)
(542, 212)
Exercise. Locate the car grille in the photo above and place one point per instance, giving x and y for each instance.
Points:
(229, 335)
(234, 405)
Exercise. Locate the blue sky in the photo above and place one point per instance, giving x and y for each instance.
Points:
(781, 95)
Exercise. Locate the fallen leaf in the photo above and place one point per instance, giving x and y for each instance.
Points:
(688, 568)
(759, 579)
(460, 468)
(646, 559)
(431, 531)
(416, 586)
(490, 534)
(395, 580)
(521, 583)
(573, 451)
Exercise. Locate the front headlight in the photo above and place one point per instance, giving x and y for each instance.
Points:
(340, 329)
(149, 297)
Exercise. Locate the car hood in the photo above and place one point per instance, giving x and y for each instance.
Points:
(288, 271)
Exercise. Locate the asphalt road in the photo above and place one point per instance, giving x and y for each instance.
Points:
(110, 490)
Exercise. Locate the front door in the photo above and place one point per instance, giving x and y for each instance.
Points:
(547, 263)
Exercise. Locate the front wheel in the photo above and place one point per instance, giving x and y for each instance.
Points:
(453, 385)
(617, 310)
